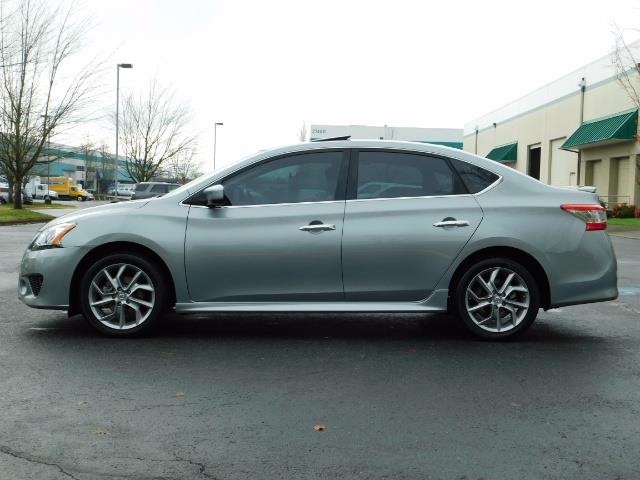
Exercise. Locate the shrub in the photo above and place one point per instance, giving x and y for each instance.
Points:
(624, 211)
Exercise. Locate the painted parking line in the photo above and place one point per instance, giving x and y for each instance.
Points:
(628, 291)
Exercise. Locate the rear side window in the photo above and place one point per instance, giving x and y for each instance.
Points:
(475, 178)
(159, 189)
(397, 174)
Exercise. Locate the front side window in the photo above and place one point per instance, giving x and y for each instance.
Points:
(397, 174)
(158, 189)
(308, 177)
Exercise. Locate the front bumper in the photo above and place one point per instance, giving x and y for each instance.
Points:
(56, 266)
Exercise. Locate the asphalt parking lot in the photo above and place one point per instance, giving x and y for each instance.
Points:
(400, 397)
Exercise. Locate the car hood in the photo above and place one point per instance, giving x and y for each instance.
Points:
(100, 210)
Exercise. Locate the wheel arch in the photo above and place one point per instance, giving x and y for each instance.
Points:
(520, 256)
(116, 247)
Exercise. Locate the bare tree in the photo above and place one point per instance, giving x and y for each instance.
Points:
(90, 155)
(627, 67)
(183, 167)
(36, 95)
(107, 168)
(153, 130)
(302, 133)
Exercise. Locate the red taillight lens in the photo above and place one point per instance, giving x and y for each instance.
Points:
(594, 216)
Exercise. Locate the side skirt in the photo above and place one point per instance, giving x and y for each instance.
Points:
(436, 302)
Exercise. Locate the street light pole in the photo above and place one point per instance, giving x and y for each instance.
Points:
(119, 66)
(215, 140)
(47, 198)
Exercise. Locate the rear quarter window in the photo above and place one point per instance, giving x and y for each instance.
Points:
(475, 178)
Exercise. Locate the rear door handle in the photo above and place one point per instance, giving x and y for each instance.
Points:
(317, 227)
(452, 223)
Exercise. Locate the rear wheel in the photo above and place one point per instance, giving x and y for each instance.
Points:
(123, 295)
(497, 298)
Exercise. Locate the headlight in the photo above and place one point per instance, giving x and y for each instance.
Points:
(50, 237)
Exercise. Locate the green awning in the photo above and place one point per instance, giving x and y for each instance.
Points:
(505, 153)
(602, 131)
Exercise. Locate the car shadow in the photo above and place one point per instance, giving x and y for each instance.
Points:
(380, 327)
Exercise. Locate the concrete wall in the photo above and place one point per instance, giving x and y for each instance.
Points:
(549, 124)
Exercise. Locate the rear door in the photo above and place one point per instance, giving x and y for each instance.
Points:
(407, 217)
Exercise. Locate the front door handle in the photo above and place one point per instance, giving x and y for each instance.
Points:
(452, 223)
(317, 227)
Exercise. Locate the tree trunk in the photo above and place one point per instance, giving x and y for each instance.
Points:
(17, 193)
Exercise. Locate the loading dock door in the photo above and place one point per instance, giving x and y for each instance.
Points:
(563, 164)
(533, 170)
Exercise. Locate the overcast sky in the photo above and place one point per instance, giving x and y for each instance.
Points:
(264, 67)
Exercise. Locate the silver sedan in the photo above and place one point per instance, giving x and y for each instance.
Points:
(349, 226)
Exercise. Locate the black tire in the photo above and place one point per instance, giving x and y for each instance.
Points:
(465, 281)
(80, 198)
(154, 274)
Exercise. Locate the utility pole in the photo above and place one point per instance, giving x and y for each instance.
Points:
(47, 198)
(215, 140)
(119, 66)
(583, 87)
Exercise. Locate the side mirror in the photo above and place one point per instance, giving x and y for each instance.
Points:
(214, 195)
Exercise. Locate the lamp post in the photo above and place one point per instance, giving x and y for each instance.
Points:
(215, 140)
(47, 198)
(119, 66)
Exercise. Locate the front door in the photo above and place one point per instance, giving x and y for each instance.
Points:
(278, 239)
(407, 218)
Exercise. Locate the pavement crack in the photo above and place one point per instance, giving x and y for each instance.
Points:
(26, 457)
(202, 468)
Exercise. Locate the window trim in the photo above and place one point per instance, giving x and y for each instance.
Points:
(341, 187)
(352, 193)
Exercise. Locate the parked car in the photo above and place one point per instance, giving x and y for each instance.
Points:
(288, 230)
(27, 199)
(152, 189)
(123, 190)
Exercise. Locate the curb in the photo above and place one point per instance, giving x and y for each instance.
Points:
(623, 236)
(25, 222)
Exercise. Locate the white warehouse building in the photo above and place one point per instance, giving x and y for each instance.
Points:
(451, 137)
(579, 129)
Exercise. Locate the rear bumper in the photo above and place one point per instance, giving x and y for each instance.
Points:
(587, 274)
(56, 266)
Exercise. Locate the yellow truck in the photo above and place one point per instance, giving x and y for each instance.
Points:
(67, 188)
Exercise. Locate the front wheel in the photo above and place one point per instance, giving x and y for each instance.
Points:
(80, 198)
(497, 299)
(123, 295)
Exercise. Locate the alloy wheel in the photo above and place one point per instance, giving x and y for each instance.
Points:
(121, 296)
(497, 299)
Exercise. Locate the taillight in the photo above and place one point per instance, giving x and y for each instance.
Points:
(594, 216)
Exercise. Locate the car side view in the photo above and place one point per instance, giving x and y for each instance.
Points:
(346, 226)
